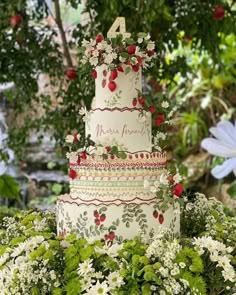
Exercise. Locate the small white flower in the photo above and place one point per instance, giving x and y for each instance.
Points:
(114, 280)
(165, 104)
(153, 189)
(163, 179)
(140, 40)
(83, 111)
(85, 267)
(177, 178)
(93, 60)
(151, 45)
(98, 289)
(223, 145)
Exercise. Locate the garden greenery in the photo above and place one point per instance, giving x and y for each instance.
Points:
(202, 260)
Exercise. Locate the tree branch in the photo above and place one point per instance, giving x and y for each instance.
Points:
(62, 33)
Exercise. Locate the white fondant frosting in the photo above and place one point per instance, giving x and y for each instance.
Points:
(122, 125)
(127, 87)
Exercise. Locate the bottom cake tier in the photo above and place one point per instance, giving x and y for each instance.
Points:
(113, 221)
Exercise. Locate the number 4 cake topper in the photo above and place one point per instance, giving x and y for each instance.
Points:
(118, 23)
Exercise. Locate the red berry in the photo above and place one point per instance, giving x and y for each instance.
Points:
(135, 68)
(113, 74)
(139, 58)
(218, 12)
(103, 83)
(141, 155)
(75, 137)
(111, 235)
(118, 48)
(97, 221)
(102, 217)
(78, 161)
(108, 148)
(163, 211)
(94, 74)
(155, 214)
(99, 38)
(141, 100)
(134, 102)
(131, 49)
(96, 214)
(159, 119)
(112, 86)
(72, 173)
(106, 237)
(151, 109)
(70, 73)
(120, 69)
(177, 190)
(104, 72)
(83, 155)
(149, 52)
(170, 178)
(161, 218)
(16, 20)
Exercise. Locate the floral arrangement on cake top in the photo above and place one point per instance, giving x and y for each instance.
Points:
(118, 55)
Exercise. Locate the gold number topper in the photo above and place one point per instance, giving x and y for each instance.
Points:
(118, 23)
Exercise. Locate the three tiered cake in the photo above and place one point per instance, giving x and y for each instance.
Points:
(115, 182)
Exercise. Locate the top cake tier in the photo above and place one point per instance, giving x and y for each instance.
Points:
(127, 86)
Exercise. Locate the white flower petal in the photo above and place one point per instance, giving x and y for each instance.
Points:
(224, 169)
(218, 148)
(226, 132)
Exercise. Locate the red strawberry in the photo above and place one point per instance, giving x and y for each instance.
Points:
(139, 59)
(113, 74)
(131, 49)
(108, 148)
(118, 48)
(141, 100)
(70, 73)
(103, 83)
(149, 51)
(111, 235)
(72, 173)
(16, 20)
(102, 217)
(135, 68)
(112, 86)
(99, 38)
(155, 214)
(106, 237)
(159, 119)
(120, 69)
(151, 109)
(134, 102)
(97, 221)
(104, 73)
(170, 178)
(83, 155)
(218, 12)
(161, 218)
(78, 161)
(75, 137)
(94, 74)
(177, 190)
(96, 214)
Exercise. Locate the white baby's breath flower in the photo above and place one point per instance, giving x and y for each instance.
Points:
(69, 138)
(93, 60)
(164, 179)
(177, 178)
(72, 156)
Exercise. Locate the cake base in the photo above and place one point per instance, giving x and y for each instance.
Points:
(113, 222)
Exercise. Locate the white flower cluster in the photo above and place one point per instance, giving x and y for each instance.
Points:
(20, 272)
(94, 282)
(203, 206)
(219, 254)
(165, 252)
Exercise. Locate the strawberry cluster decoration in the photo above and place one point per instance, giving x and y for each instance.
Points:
(168, 190)
(118, 55)
(99, 217)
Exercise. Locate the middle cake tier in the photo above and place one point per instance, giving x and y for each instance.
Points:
(128, 128)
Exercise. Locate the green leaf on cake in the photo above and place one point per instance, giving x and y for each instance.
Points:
(122, 155)
(114, 150)
(127, 70)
